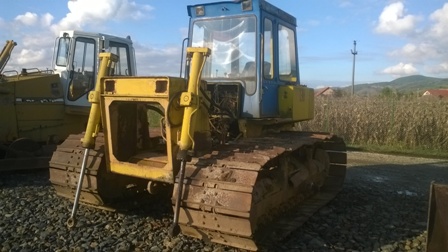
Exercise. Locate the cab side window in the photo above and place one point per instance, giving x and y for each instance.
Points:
(268, 69)
(123, 66)
(287, 54)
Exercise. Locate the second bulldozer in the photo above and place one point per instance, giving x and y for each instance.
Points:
(223, 135)
(40, 108)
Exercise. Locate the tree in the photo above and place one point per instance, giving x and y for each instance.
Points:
(387, 92)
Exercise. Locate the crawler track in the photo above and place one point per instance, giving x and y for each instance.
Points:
(100, 188)
(246, 194)
(249, 194)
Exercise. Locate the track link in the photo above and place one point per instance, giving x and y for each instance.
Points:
(257, 191)
(100, 188)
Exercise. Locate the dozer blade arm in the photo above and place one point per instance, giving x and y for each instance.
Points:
(6, 53)
(191, 101)
(107, 65)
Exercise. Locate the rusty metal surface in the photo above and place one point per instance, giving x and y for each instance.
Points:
(100, 188)
(64, 170)
(438, 219)
(244, 194)
(247, 193)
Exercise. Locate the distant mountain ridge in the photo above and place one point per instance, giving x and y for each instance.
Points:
(408, 84)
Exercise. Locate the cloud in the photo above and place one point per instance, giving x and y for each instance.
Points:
(27, 58)
(416, 52)
(441, 68)
(401, 69)
(46, 19)
(428, 49)
(439, 30)
(34, 52)
(35, 32)
(87, 12)
(33, 41)
(28, 19)
(157, 61)
(394, 21)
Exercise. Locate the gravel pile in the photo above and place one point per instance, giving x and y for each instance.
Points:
(383, 207)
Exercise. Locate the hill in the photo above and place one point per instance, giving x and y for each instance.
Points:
(408, 84)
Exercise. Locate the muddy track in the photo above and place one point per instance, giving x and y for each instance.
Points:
(248, 195)
(233, 195)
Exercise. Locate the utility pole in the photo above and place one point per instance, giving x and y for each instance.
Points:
(354, 52)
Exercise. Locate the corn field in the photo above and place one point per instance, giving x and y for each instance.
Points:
(403, 123)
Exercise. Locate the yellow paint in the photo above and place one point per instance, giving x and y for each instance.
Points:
(137, 87)
(150, 173)
(32, 106)
(193, 121)
(135, 91)
(107, 61)
(296, 102)
(6, 53)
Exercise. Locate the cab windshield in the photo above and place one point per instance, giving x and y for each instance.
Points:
(232, 42)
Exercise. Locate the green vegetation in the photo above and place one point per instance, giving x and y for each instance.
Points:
(415, 84)
(398, 150)
(154, 115)
(385, 123)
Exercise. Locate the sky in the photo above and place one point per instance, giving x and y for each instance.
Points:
(393, 38)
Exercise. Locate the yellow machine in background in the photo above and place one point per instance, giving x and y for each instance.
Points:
(41, 108)
(6, 53)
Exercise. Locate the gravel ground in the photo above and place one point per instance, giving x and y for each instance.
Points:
(383, 207)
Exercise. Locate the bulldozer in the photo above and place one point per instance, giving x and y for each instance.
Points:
(222, 137)
(40, 108)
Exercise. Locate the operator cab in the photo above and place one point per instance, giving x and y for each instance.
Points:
(75, 59)
(253, 52)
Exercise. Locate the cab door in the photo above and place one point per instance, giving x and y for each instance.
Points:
(269, 82)
(82, 74)
(279, 62)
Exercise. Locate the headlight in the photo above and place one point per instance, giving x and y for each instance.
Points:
(200, 11)
(246, 5)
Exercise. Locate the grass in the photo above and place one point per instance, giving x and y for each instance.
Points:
(397, 150)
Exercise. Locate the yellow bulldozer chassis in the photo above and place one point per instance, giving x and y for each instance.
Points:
(238, 193)
(232, 194)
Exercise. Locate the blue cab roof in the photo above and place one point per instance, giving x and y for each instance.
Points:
(229, 8)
